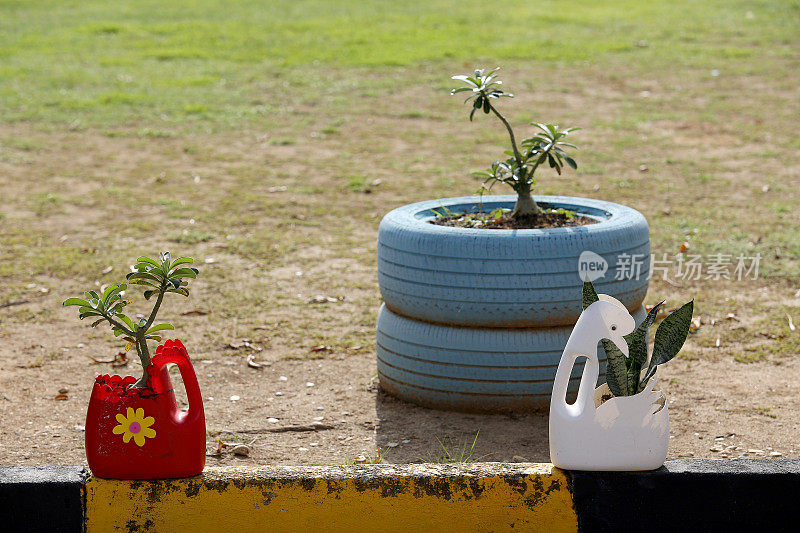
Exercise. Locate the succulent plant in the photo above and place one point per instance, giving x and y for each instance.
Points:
(544, 147)
(159, 277)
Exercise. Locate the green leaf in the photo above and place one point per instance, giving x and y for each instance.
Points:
(670, 336)
(148, 260)
(128, 322)
(589, 294)
(185, 273)
(153, 337)
(143, 276)
(616, 369)
(181, 261)
(159, 327)
(180, 290)
(149, 293)
(88, 313)
(112, 290)
(76, 301)
(571, 162)
(146, 283)
(637, 340)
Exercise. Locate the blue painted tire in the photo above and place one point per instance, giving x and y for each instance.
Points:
(486, 370)
(506, 278)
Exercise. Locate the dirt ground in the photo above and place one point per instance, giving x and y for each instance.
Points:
(286, 248)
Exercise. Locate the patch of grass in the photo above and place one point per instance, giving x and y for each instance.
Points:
(191, 236)
(46, 203)
(766, 411)
(451, 452)
(367, 458)
(358, 183)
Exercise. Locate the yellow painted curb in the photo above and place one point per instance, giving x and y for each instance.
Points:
(468, 497)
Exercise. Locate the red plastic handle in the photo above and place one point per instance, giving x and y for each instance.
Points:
(173, 351)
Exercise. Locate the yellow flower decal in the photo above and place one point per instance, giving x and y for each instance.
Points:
(135, 426)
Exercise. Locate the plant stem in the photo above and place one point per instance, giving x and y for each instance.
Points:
(517, 155)
(144, 356)
(154, 312)
(526, 205)
(141, 341)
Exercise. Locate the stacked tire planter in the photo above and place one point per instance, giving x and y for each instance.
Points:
(476, 319)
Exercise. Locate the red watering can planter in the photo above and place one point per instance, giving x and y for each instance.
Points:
(141, 433)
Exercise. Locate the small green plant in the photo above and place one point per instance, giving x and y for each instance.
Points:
(544, 147)
(624, 374)
(367, 459)
(158, 277)
(455, 453)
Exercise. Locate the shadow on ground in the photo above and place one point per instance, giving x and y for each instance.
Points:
(415, 434)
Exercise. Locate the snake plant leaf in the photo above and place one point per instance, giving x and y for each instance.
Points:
(637, 341)
(670, 336)
(637, 348)
(589, 294)
(76, 301)
(616, 369)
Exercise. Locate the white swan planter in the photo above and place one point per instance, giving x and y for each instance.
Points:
(622, 433)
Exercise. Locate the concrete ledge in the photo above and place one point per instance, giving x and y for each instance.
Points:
(473, 497)
(34, 498)
(685, 495)
(691, 495)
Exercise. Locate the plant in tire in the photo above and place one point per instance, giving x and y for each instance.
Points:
(545, 147)
(159, 277)
(624, 375)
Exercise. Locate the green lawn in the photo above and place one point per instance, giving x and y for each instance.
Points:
(157, 67)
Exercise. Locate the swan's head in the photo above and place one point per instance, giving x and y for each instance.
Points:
(617, 319)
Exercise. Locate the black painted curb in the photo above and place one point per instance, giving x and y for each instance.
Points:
(691, 495)
(42, 498)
